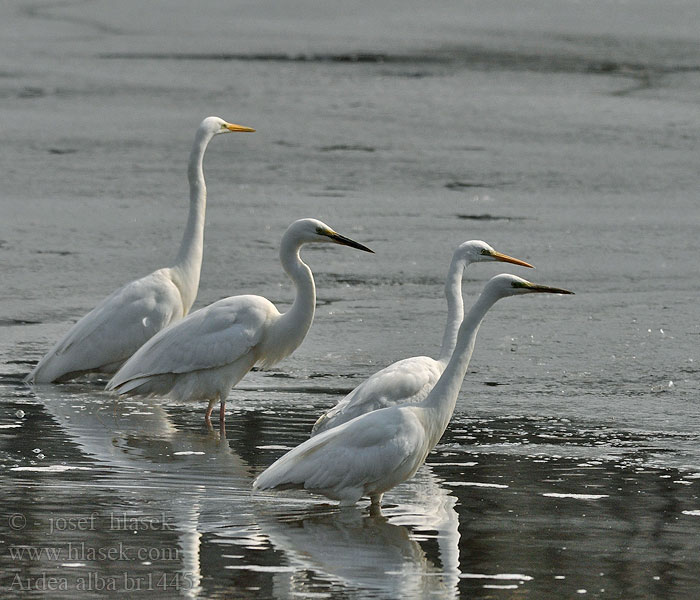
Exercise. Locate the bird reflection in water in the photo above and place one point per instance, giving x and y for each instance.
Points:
(150, 467)
(144, 462)
(378, 551)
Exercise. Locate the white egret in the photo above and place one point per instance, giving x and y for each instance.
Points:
(378, 450)
(119, 325)
(203, 356)
(410, 380)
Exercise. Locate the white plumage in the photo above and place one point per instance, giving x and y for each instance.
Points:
(208, 352)
(364, 457)
(410, 380)
(378, 450)
(110, 333)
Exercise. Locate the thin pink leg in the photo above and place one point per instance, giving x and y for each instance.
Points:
(222, 420)
(207, 416)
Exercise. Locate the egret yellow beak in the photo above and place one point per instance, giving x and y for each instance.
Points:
(234, 127)
(509, 259)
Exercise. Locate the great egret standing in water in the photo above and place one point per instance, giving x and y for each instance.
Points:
(203, 356)
(378, 450)
(410, 380)
(119, 325)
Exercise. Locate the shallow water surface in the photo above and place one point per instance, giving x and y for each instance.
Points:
(131, 494)
(563, 137)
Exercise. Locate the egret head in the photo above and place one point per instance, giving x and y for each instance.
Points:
(215, 126)
(309, 231)
(478, 251)
(510, 285)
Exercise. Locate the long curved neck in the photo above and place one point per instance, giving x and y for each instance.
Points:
(188, 263)
(294, 324)
(441, 401)
(455, 308)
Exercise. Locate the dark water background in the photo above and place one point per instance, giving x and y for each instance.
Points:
(564, 135)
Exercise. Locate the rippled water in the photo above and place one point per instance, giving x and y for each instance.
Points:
(568, 139)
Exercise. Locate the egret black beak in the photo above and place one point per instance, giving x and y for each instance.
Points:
(234, 127)
(545, 289)
(509, 259)
(345, 241)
